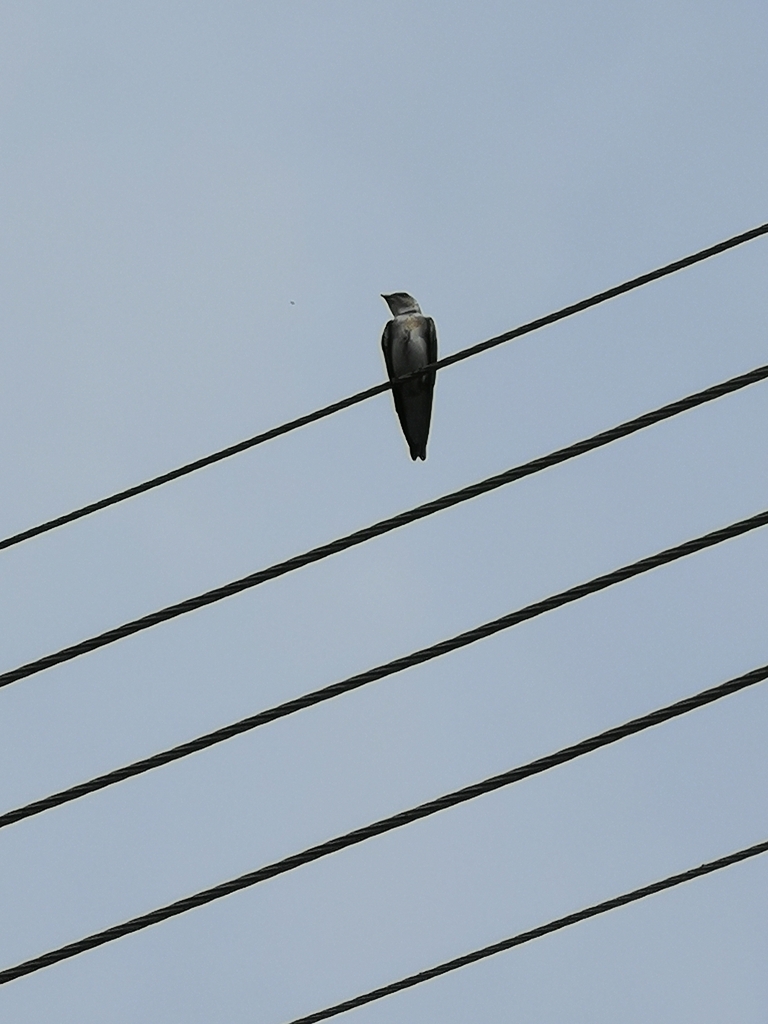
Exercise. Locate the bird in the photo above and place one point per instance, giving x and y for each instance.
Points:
(409, 342)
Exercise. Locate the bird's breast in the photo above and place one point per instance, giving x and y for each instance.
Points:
(409, 346)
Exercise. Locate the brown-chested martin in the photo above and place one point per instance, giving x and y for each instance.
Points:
(409, 342)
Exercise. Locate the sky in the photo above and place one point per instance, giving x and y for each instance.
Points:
(200, 206)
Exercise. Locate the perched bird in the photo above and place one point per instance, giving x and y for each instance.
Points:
(409, 342)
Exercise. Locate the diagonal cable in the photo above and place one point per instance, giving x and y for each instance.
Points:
(378, 529)
(371, 675)
(535, 933)
(383, 825)
(377, 389)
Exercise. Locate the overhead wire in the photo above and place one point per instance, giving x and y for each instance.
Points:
(535, 933)
(450, 799)
(378, 529)
(354, 682)
(382, 826)
(362, 396)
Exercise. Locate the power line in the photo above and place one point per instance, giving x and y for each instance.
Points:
(362, 396)
(535, 933)
(372, 675)
(382, 826)
(378, 529)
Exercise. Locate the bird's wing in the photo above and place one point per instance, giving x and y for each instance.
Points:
(397, 391)
(431, 340)
(386, 348)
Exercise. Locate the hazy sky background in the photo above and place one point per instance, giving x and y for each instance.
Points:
(173, 177)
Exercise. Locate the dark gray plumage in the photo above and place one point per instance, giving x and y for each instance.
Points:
(409, 342)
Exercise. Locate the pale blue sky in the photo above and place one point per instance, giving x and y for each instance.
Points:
(172, 178)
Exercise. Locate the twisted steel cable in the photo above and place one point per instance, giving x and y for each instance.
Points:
(385, 825)
(383, 526)
(362, 396)
(419, 657)
(536, 933)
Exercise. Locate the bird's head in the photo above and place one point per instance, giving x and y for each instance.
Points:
(401, 302)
